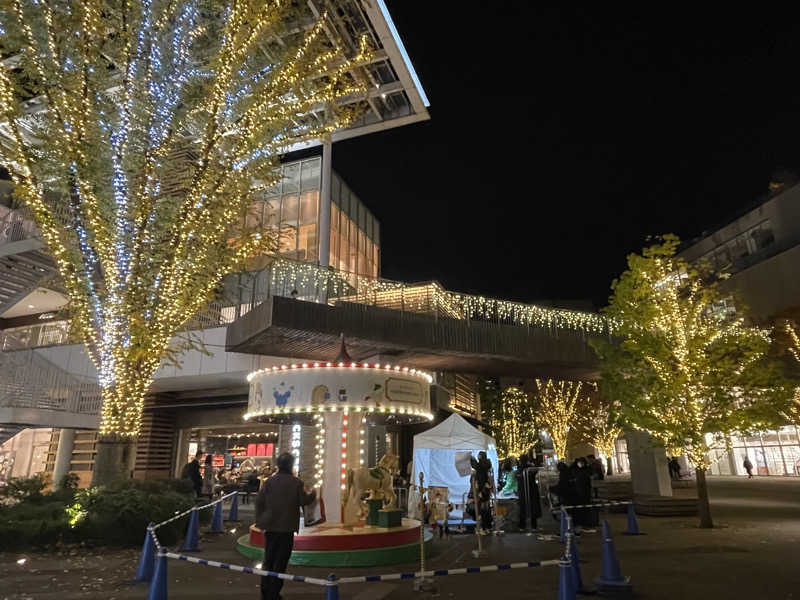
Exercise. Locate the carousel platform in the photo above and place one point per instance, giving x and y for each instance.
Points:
(337, 545)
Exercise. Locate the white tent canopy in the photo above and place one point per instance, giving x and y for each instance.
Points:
(435, 453)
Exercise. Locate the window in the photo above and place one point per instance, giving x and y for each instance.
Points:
(744, 244)
(723, 309)
(254, 214)
(272, 212)
(291, 178)
(307, 242)
(289, 210)
(308, 207)
(310, 179)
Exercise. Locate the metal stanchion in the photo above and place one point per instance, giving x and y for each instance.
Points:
(422, 583)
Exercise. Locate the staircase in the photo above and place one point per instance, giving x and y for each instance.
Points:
(23, 260)
(34, 392)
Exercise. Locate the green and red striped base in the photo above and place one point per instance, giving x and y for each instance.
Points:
(340, 546)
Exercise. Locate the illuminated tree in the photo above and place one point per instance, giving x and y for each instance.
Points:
(682, 370)
(137, 132)
(598, 425)
(794, 349)
(557, 403)
(514, 422)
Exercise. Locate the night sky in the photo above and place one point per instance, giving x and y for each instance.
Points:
(561, 137)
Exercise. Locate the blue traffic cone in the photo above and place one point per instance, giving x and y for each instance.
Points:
(633, 525)
(216, 520)
(611, 576)
(144, 572)
(566, 583)
(332, 589)
(565, 525)
(233, 514)
(158, 587)
(190, 543)
(575, 566)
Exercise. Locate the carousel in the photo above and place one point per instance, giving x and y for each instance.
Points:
(330, 407)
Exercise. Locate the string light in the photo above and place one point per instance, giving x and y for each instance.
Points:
(431, 298)
(319, 450)
(557, 402)
(597, 424)
(147, 153)
(793, 413)
(344, 452)
(686, 372)
(512, 421)
(349, 366)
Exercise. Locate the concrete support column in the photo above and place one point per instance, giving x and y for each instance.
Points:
(324, 219)
(683, 461)
(66, 440)
(649, 470)
(732, 464)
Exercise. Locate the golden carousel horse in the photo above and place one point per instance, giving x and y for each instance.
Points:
(377, 479)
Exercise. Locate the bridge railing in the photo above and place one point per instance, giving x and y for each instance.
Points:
(28, 380)
(283, 277)
(324, 285)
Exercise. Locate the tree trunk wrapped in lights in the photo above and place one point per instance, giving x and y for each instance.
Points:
(514, 423)
(791, 329)
(557, 402)
(138, 132)
(684, 370)
(598, 425)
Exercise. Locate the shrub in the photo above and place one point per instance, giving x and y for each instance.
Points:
(70, 481)
(119, 514)
(116, 515)
(23, 488)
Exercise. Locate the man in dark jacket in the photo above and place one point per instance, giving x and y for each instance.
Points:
(278, 516)
(191, 471)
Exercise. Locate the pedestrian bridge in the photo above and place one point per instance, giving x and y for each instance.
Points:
(426, 327)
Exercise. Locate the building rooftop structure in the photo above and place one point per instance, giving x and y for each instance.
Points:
(760, 249)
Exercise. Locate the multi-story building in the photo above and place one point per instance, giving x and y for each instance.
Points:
(46, 381)
(760, 249)
(293, 307)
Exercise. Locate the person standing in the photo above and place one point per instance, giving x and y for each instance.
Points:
(191, 471)
(483, 484)
(596, 467)
(582, 475)
(748, 466)
(278, 515)
(208, 476)
(676, 467)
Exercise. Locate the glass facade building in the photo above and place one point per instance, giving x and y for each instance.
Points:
(772, 452)
(355, 233)
(292, 207)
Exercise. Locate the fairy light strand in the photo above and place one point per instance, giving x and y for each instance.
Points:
(158, 121)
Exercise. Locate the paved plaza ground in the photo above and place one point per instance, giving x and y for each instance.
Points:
(754, 554)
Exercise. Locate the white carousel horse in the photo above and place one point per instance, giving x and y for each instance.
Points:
(377, 479)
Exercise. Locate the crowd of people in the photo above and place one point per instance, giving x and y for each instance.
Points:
(208, 481)
(574, 488)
